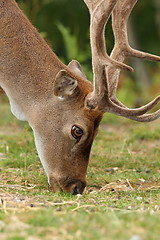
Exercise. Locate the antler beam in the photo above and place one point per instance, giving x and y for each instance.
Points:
(106, 71)
(100, 57)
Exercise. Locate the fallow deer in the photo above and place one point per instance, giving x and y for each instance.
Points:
(62, 107)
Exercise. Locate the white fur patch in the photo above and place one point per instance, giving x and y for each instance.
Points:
(39, 147)
(15, 109)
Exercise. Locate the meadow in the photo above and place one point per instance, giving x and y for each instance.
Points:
(122, 198)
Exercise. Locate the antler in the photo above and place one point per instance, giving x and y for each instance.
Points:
(106, 71)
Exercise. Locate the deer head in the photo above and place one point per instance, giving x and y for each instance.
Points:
(63, 108)
(65, 140)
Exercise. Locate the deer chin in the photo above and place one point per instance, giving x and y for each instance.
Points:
(67, 184)
(53, 185)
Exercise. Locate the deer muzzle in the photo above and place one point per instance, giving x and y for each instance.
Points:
(67, 184)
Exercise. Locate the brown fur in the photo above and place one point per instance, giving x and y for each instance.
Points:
(55, 98)
(28, 69)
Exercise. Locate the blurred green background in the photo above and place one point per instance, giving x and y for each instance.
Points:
(65, 26)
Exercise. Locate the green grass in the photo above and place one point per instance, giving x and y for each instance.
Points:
(122, 199)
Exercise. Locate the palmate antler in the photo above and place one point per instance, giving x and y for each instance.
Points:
(106, 69)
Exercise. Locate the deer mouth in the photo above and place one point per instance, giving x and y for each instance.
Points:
(72, 186)
(67, 185)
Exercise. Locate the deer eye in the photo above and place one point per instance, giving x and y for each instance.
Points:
(77, 132)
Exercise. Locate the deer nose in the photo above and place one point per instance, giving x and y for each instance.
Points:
(78, 188)
(72, 186)
(75, 191)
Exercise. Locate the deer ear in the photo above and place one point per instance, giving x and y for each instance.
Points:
(64, 84)
(76, 67)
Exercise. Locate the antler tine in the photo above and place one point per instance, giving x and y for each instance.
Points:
(107, 105)
(120, 17)
(122, 50)
(143, 118)
(100, 11)
(147, 117)
(105, 85)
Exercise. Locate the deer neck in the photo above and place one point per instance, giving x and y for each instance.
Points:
(27, 65)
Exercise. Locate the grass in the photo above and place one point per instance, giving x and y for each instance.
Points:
(122, 199)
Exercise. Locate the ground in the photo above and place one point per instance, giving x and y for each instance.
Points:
(122, 198)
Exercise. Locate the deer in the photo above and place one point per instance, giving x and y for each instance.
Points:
(62, 107)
